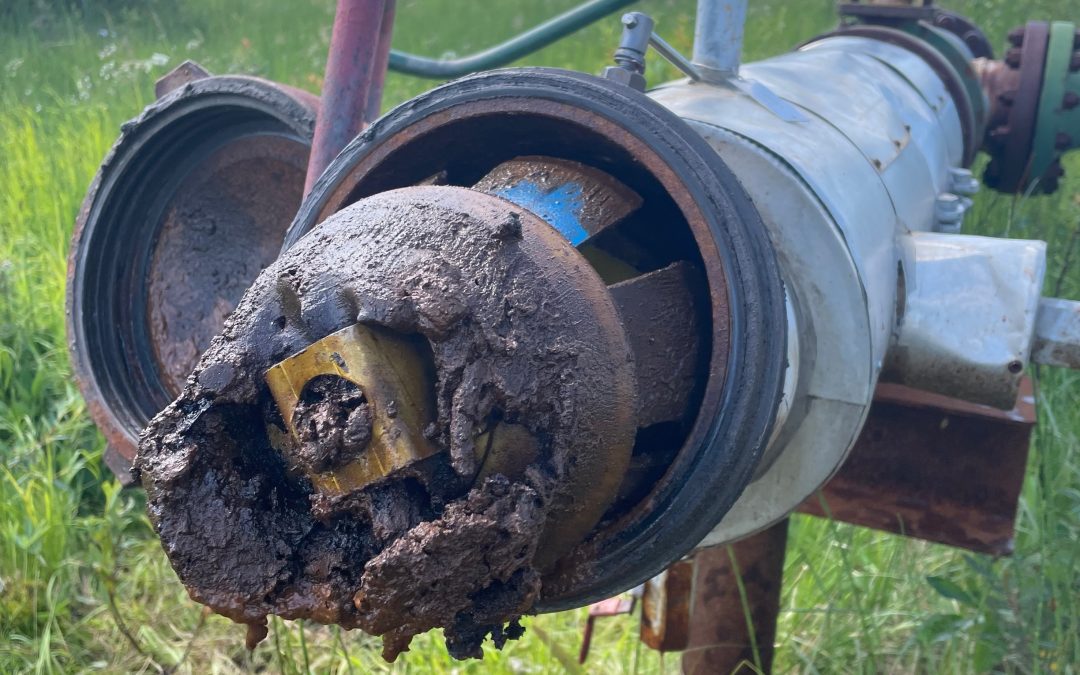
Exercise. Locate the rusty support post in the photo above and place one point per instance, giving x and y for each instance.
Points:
(357, 49)
(734, 604)
(382, 63)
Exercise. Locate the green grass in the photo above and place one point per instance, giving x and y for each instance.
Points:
(83, 582)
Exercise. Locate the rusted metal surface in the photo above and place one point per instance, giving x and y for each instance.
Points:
(616, 606)
(221, 227)
(190, 204)
(382, 62)
(665, 608)
(1000, 81)
(666, 326)
(734, 605)
(935, 468)
(693, 209)
(1010, 142)
(358, 48)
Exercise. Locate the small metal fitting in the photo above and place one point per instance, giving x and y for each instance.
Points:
(949, 212)
(1013, 57)
(629, 68)
(963, 182)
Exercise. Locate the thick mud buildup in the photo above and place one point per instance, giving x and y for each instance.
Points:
(533, 418)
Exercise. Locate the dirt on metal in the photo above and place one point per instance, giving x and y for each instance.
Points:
(430, 546)
(222, 227)
(490, 540)
(333, 421)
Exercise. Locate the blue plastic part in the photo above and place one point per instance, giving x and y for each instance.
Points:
(559, 207)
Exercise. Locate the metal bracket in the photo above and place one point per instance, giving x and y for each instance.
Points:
(391, 373)
(1057, 333)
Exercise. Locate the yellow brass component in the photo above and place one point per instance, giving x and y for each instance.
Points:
(508, 449)
(610, 268)
(397, 382)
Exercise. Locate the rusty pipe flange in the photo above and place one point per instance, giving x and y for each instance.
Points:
(1010, 140)
(191, 202)
(694, 209)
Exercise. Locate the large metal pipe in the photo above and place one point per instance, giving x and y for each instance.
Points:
(862, 182)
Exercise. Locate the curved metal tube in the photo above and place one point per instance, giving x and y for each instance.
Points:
(525, 43)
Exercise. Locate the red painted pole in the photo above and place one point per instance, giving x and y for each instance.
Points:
(382, 63)
(352, 68)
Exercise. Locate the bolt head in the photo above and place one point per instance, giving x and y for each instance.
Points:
(950, 212)
(625, 77)
(1071, 100)
(963, 182)
(1062, 141)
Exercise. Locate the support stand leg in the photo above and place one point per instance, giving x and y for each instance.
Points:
(352, 87)
(732, 625)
